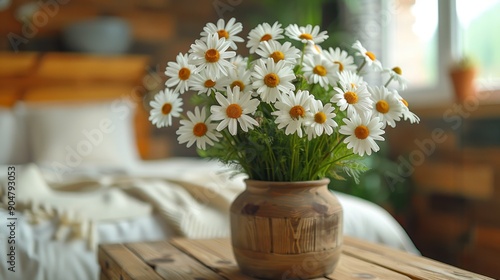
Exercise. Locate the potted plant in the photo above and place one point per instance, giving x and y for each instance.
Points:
(463, 77)
(289, 115)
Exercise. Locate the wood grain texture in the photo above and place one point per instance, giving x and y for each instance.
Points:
(214, 253)
(277, 227)
(170, 263)
(415, 267)
(118, 262)
(351, 268)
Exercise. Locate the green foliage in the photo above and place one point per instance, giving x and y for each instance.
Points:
(376, 183)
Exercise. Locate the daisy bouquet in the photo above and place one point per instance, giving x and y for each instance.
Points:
(290, 110)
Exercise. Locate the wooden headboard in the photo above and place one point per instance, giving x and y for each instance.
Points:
(71, 77)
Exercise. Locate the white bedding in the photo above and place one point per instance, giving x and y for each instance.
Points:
(40, 256)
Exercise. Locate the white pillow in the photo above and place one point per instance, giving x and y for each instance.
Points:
(13, 144)
(70, 136)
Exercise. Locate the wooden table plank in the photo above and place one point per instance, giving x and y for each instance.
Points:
(118, 262)
(351, 268)
(217, 254)
(416, 267)
(171, 263)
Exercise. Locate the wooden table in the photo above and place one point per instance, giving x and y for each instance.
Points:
(204, 259)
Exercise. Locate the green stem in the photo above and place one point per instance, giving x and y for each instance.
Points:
(335, 147)
(272, 161)
(361, 67)
(294, 156)
(336, 160)
(390, 79)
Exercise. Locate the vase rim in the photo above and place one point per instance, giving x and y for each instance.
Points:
(312, 183)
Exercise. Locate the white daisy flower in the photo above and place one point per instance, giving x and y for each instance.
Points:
(238, 77)
(356, 100)
(362, 131)
(234, 110)
(341, 58)
(180, 73)
(239, 61)
(263, 32)
(350, 78)
(198, 129)
(203, 83)
(227, 31)
(166, 105)
(272, 78)
(292, 111)
(211, 55)
(369, 58)
(277, 51)
(385, 106)
(407, 114)
(312, 48)
(305, 34)
(396, 74)
(321, 120)
(317, 70)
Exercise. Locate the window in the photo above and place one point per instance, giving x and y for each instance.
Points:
(478, 22)
(426, 36)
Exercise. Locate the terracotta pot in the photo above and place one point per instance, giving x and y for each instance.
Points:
(463, 81)
(286, 230)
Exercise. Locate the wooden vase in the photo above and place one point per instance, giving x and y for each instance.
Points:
(286, 230)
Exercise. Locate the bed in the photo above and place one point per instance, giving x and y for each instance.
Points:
(80, 180)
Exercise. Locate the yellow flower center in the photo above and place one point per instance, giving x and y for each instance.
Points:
(184, 73)
(361, 132)
(341, 66)
(200, 129)
(319, 70)
(351, 97)
(209, 83)
(234, 111)
(397, 70)
(371, 55)
(212, 55)
(382, 106)
(320, 117)
(239, 84)
(266, 37)
(306, 36)
(166, 108)
(297, 111)
(271, 80)
(223, 34)
(277, 56)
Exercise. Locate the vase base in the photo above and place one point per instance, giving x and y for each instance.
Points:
(287, 266)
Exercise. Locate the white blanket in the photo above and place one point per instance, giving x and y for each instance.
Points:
(193, 205)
